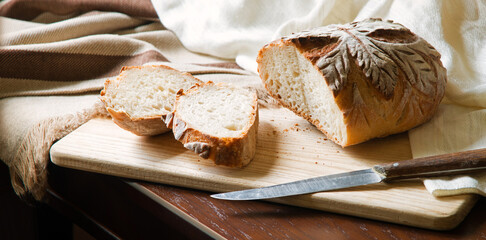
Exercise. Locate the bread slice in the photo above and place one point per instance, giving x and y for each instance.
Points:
(141, 96)
(218, 122)
(355, 81)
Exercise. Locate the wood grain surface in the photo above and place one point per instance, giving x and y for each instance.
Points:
(101, 203)
(260, 220)
(289, 149)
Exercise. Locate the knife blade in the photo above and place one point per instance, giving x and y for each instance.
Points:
(439, 165)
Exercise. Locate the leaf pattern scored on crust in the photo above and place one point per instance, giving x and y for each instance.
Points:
(378, 57)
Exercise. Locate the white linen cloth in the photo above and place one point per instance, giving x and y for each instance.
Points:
(237, 29)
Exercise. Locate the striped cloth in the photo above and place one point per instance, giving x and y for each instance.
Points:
(54, 58)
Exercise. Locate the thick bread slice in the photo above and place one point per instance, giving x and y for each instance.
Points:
(141, 96)
(218, 122)
(355, 81)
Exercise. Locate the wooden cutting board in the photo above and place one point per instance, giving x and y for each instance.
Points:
(289, 149)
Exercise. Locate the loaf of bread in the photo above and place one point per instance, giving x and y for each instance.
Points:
(141, 96)
(217, 122)
(355, 81)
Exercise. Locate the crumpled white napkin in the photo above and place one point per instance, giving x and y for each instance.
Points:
(238, 29)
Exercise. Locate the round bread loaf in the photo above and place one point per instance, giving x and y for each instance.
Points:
(355, 81)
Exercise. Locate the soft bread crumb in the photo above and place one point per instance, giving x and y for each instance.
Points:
(141, 95)
(292, 78)
(221, 111)
(146, 91)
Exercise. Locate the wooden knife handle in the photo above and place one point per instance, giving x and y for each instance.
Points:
(439, 165)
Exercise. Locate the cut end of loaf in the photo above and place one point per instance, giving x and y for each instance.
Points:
(294, 81)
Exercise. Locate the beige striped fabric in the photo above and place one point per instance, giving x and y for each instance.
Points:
(54, 59)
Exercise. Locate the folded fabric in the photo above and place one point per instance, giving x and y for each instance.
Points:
(238, 29)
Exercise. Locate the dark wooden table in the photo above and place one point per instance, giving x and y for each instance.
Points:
(110, 207)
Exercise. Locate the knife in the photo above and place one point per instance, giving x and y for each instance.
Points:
(439, 165)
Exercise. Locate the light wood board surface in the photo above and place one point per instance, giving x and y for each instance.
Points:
(289, 149)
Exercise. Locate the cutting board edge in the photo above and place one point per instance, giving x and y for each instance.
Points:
(441, 222)
(428, 221)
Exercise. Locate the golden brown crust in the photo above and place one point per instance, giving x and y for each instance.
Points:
(376, 99)
(231, 152)
(146, 126)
